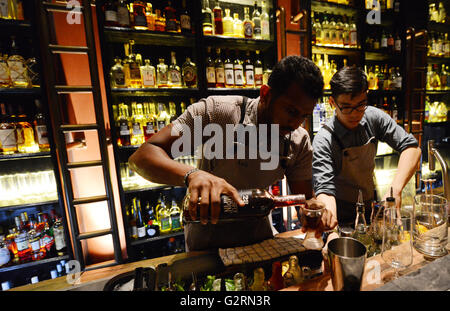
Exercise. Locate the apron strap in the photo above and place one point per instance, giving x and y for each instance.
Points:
(334, 136)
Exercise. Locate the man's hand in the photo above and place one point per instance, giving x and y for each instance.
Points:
(208, 188)
(327, 221)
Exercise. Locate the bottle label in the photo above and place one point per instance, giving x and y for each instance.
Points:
(137, 130)
(140, 20)
(165, 224)
(22, 243)
(229, 74)
(48, 241)
(398, 45)
(258, 76)
(148, 77)
(211, 74)
(135, 71)
(141, 232)
(238, 75)
(265, 29)
(123, 16)
(4, 74)
(151, 232)
(220, 75)
(229, 205)
(384, 43)
(248, 30)
(176, 224)
(163, 77)
(249, 77)
(185, 22)
(133, 231)
(119, 79)
(17, 71)
(60, 241)
(171, 25)
(111, 16)
(189, 75)
(7, 138)
(175, 77)
(124, 130)
(353, 38)
(4, 8)
(161, 125)
(35, 246)
(149, 128)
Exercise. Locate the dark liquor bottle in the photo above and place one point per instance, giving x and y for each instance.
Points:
(220, 70)
(123, 16)
(140, 225)
(218, 24)
(207, 24)
(229, 71)
(258, 202)
(185, 19)
(152, 223)
(140, 19)
(110, 10)
(238, 71)
(249, 72)
(189, 72)
(124, 128)
(390, 44)
(210, 70)
(258, 71)
(171, 19)
(40, 129)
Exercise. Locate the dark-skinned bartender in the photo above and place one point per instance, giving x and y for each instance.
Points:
(293, 89)
(345, 149)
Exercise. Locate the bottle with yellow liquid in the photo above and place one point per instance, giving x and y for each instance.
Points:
(163, 217)
(163, 117)
(228, 24)
(17, 67)
(26, 142)
(175, 216)
(238, 26)
(138, 123)
(5, 77)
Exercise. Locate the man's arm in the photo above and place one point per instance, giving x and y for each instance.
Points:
(407, 164)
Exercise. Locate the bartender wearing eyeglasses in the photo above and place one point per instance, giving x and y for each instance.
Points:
(344, 149)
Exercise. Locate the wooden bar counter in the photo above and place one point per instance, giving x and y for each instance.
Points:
(93, 280)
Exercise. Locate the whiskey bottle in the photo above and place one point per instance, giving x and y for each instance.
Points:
(150, 17)
(163, 117)
(152, 223)
(258, 71)
(390, 44)
(162, 74)
(172, 111)
(210, 70)
(353, 35)
(397, 44)
(8, 140)
(265, 24)
(220, 70)
(346, 33)
(256, 20)
(140, 225)
(17, 67)
(185, 19)
(35, 243)
(21, 241)
(218, 24)
(7, 9)
(175, 216)
(123, 16)
(60, 239)
(238, 26)
(171, 20)
(5, 76)
(124, 128)
(174, 72)
(229, 71)
(228, 23)
(148, 75)
(134, 68)
(249, 72)
(110, 13)
(137, 124)
(150, 120)
(117, 75)
(163, 216)
(207, 24)
(160, 21)
(248, 25)
(140, 20)
(189, 72)
(25, 134)
(238, 71)
(384, 41)
(32, 68)
(258, 203)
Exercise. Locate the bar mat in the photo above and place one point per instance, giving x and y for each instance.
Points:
(265, 250)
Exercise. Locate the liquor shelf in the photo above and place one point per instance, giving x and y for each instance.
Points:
(123, 35)
(33, 263)
(382, 56)
(26, 205)
(35, 91)
(238, 43)
(439, 27)
(321, 7)
(437, 59)
(159, 237)
(437, 92)
(25, 156)
(129, 92)
(330, 50)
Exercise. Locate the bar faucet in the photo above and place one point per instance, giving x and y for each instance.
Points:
(432, 153)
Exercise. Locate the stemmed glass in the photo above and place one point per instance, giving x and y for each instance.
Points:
(396, 247)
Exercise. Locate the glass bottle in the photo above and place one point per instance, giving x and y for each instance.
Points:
(163, 117)
(60, 240)
(353, 35)
(339, 32)
(148, 75)
(162, 74)
(170, 15)
(117, 75)
(210, 70)
(390, 44)
(140, 225)
(249, 72)
(397, 43)
(229, 71)
(150, 121)
(238, 71)
(207, 24)
(384, 41)
(265, 22)
(325, 30)
(247, 24)
(32, 68)
(124, 128)
(35, 243)
(189, 72)
(152, 223)
(40, 130)
(238, 26)
(361, 233)
(256, 20)
(150, 17)
(185, 19)
(160, 21)
(163, 216)
(8, 140)
(134, 68)
(218, 23)
(7, 9)
(174, 72)
(123, 16)
(435, 79)
(25, 134)
(220, 70)
(23, 247)
(5, 76)
(258, 202)
(17, 67)
(172, 111)
(175, 216)
(332, 27)
(110, 10)
(346, 33)
(140, 19)
(228, 23)
(138, 124)
(258, 70)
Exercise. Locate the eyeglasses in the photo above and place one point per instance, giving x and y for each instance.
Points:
(349, 110)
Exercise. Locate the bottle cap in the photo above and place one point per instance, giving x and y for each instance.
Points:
(391, 197)
(6, 285)
(58, 267)
(34, 279)
(53, 274)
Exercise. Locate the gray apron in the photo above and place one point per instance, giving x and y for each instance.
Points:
(242, 174)
(357, 172)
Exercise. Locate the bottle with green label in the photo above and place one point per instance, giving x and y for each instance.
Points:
(163, 216)
(175, 216)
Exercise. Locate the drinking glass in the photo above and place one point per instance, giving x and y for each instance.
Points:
(430, 224)
(311, 220)
(396, 247)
